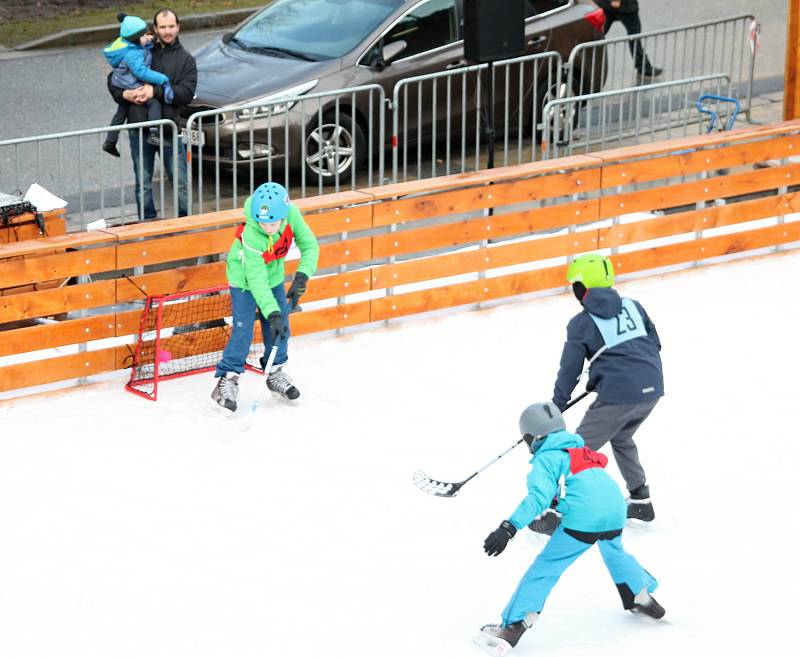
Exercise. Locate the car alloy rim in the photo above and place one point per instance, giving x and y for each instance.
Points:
(327, 146)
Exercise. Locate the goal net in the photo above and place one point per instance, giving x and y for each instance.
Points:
(182, 334)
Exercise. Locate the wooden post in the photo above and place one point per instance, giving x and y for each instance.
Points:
(791, 99)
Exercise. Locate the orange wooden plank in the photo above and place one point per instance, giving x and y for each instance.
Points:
(22, 271)
(45, 303)
(328, 319)
(482, 177)
(487, 196)
(697, 161)
(67, 332)
(341, 253)
(460, 294)
(341, 220)
(700, 190)
(197, 277)
(709, 247)
(175, 247)
(716, 138)
(46, 245)
(470, 231)
(697, 220)
(61, 368)
(338, 285)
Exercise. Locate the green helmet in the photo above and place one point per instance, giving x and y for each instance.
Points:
(592, 270)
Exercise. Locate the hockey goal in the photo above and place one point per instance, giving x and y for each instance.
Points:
(182, 334)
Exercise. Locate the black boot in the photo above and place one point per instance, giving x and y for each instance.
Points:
(111, 148)
(639, 505)
(646, 604)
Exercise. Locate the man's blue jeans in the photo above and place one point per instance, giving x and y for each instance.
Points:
(244, 315)
(144, 178)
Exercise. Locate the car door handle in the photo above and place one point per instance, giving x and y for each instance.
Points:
(457, 64)
(538, 41)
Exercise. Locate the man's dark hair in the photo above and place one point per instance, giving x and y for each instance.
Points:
(164, 11)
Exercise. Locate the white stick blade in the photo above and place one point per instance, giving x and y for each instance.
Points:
(432, 486)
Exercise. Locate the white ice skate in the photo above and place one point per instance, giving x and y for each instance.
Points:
(499, 640)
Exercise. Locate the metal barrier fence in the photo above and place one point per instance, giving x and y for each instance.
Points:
(440, 120)
(337, 139)
(665, 110)
(73, 166)
(726, 45)
(328, 136)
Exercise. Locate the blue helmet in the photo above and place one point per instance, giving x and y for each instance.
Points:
(270, 203)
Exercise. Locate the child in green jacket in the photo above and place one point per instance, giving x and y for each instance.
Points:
(256, 274)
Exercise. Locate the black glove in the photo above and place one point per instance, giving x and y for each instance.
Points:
(297, 289)
(496, 542)
(277, 328)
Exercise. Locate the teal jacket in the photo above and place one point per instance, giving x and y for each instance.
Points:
(246, 268)
(592, 501)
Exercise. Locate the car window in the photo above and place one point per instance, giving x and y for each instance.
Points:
(316, 29)
(429, 25)
(535, 7)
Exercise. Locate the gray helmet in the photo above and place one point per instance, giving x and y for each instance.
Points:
(541, 419)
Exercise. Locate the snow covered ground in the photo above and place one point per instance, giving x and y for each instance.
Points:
(131, 528)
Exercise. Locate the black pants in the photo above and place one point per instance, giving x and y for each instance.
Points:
(121, 115)
(632, 26)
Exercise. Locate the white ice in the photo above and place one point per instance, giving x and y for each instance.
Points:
(138, 529)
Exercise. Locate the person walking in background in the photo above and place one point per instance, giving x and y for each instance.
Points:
(593, 513)
(130, 56)
(256, 274)
(618, 339)
(627, 13)
(174, 61)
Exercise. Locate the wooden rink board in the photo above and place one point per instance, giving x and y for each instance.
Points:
(579, 203)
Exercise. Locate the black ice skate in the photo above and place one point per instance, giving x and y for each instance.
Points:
(499, 640)
(281, 385)
(226, 392)
(546, 523)
(646, 604)
(639, 505)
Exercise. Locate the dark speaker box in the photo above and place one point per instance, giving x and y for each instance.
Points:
(493, 29)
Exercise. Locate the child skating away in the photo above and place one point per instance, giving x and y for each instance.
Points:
(615, 335)
(255, 271)
(593, 512)
(131, 56)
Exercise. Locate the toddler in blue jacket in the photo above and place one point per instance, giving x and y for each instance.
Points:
(593, 512)
(131, 56)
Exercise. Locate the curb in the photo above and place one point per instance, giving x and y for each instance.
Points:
(101, 33)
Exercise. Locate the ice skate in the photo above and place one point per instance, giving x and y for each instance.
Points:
(646, 604)
(499, 640)
(639, 505)
(546, 523)
(226, 393)
(280, 385)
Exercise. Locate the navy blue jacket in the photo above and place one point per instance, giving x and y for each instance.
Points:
(628, 371)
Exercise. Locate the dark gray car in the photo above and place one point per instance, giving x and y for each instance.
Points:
(269, 92)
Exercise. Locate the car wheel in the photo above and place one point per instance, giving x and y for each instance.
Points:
(334, 148)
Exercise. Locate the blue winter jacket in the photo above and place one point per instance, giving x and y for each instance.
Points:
(592, 502)
(628, 371)
(131, 63)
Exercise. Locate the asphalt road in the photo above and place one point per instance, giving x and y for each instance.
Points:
(47, 92)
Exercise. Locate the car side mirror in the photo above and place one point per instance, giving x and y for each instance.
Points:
(227, 37)
(392, 51)
(387, 54)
